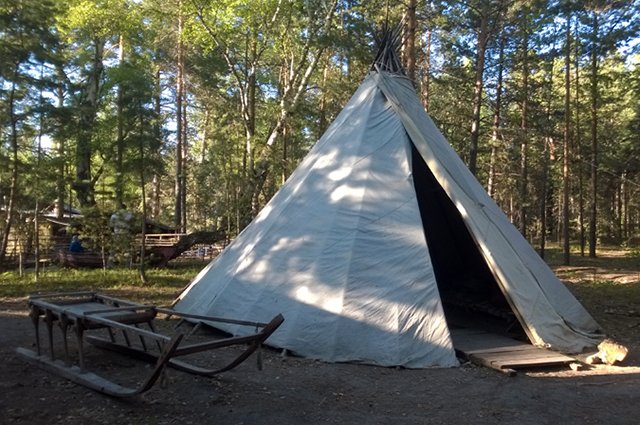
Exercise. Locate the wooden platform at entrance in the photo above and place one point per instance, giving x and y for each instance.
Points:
(502, 353)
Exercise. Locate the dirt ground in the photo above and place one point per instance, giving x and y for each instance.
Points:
(298, 391)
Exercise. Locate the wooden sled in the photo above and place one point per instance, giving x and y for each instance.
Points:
(88, 311)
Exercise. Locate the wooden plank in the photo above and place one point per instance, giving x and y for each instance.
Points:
(522, 360)
(516, 363)
(90, 380)
(75, 374)
(524, 354)
(482, 362)
(522, 347)
(502, 353)
(153, 358)
(61, 294)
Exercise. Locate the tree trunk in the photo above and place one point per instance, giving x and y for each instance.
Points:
(205, 135)
(36, 217)
(544, 194)
(547, 157)
(483, 38)
(409, 48)
(143, 226)
(524, 143)
(248, 107)
(285, 156)
(157, 132)
(566, 247)
(593, 235)
(579, 152)
(88, 110)
(185, 157)
(60, 176)
(322, 120)
(426, 72)
(495, 137)
(619, 209)
(179, 161)
(625, 208)
(119, 174)
(13, 185)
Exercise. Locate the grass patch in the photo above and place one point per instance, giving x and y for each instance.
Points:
(164, 283)
(611, 258)
(615, 306)
(604, 293)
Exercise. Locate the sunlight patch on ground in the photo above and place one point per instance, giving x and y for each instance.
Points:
(599, 370)
(14, 313)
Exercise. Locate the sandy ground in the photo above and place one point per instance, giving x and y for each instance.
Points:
(298, 391)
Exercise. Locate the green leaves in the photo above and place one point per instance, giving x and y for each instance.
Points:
(263, 79)
(97, 18)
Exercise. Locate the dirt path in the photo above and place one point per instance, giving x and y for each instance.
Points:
(298, 391)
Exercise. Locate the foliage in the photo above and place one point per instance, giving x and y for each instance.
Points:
(93, 230)
(88, 102)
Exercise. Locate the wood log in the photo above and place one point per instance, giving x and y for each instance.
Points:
(161, 255)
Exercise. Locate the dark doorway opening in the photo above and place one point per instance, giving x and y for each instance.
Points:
(470, 293)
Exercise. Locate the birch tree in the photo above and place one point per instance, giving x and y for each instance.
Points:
(246, 36)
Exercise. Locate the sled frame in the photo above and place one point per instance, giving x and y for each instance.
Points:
(84, 311)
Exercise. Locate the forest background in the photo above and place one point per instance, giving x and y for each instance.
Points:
(194, 112)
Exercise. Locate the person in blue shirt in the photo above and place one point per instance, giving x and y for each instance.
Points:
(75, 245)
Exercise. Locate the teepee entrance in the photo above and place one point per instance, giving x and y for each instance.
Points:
(470, 294)
(484, 327)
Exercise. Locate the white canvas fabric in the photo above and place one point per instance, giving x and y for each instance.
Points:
(340, 250)
(549, 313)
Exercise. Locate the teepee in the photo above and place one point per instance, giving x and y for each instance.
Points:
(375, 242)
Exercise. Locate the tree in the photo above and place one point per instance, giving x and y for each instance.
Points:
(90, 30)
(408, 48)
(487, 17)
(496, 131)
(610, 24)
(566, 246)
(195, 112)
(524, 123)
(181, 124)
(263, 27)
(25, 46)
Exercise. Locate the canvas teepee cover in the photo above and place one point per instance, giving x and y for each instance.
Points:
(344, 249)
